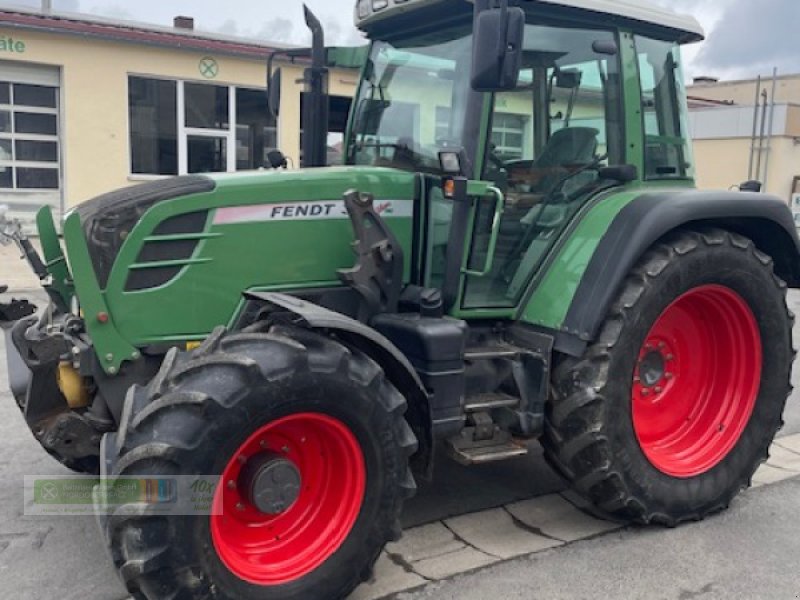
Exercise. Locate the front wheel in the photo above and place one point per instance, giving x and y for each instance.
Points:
(311, 447)
(674, 407)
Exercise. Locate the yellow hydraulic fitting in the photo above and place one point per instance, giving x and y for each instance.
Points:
(72, 386)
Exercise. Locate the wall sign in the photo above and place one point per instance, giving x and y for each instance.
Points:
(209, 67)
(12, 46)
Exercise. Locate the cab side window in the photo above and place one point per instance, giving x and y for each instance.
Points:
(667, 147)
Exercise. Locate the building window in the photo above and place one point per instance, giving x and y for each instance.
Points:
(154, 126)
(182, 127)
(508, 135)
(29, 144)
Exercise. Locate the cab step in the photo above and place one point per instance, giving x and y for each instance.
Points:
(478, 455)
(484, 402)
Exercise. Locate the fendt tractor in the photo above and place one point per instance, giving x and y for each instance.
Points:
(515, 250)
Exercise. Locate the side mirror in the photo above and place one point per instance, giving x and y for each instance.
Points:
(277, 160)
(497, 48)
(568, 79)
(274, 94)
(607, 47)
(751, 186)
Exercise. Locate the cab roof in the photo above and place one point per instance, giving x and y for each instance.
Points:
(684, 28)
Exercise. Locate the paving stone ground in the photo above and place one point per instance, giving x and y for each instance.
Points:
(14, 272)
(441, 550)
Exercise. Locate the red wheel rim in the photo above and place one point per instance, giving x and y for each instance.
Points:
(279, 548)
(696, 381)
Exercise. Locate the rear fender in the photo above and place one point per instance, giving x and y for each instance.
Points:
(354, 333)
(648, 218)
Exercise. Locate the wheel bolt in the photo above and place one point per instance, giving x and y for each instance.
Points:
(670, 357)
(668, 375)
(645, 392)
(231, 485)
(263, 444)
(659, 389)
(636, 379)
(662, 345)
(242, 459)
(239, 506)
(285, 449)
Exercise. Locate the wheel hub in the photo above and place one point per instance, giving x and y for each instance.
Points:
(652, 368)
(271, 482)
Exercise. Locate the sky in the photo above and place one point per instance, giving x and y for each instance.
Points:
(744, 37)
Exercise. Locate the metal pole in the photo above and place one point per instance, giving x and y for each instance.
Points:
(769, 127)
(762, 133)
(47, 6)
(755, 129)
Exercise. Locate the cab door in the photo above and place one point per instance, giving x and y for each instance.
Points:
(548, 140)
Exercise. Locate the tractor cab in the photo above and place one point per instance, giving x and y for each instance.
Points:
(585, 104)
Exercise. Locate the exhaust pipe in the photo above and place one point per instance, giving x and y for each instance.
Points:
(316, 105)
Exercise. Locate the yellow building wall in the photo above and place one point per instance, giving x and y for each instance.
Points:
(724, 163)
(94, 116)
(787, 90)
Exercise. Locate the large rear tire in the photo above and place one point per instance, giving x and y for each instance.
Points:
(312, 447)
(675, 405)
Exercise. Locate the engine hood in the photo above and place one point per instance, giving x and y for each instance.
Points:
(174, 257)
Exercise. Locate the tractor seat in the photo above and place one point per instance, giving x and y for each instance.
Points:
(570, 146)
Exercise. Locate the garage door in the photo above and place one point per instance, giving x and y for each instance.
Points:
(30, 142)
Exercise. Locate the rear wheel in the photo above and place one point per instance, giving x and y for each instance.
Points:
(312, 449)
(672, 409)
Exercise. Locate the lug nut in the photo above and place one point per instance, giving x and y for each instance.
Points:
(239, 506)
(670, 357)
(231, 485)
(242, 459)
(659, 389)
(645, 392)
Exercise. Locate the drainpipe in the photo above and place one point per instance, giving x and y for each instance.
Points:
(756, 105)
(771, 123)
(762, 133)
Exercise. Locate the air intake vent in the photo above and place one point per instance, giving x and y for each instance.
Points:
(168, 251)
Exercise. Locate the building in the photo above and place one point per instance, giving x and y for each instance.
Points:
(88, 105)
(736, 139)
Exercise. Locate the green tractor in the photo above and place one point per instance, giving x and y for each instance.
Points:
(532, 262)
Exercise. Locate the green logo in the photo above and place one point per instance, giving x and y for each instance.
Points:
(209, 67)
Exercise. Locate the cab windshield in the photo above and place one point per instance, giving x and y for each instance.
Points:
(411, 103)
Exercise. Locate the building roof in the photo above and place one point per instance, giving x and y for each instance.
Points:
(688, 27)
(133, 32)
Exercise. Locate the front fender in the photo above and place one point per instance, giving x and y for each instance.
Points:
(394, 363)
